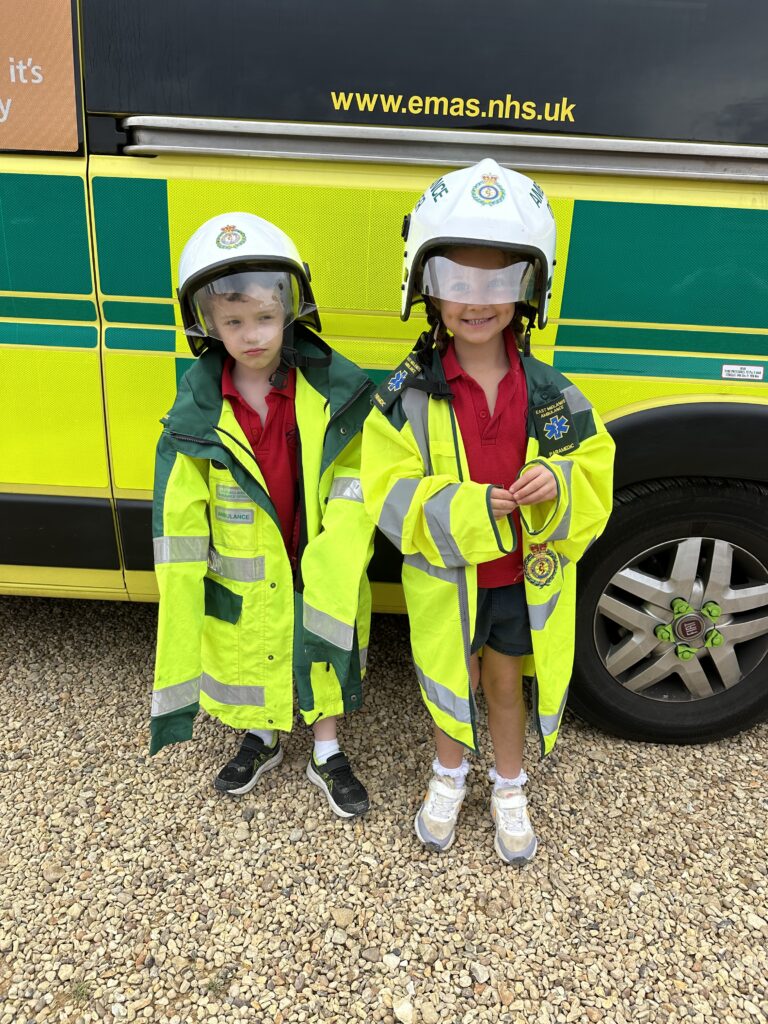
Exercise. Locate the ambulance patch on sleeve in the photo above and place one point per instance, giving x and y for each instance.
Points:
(393, 386)
(555, 429)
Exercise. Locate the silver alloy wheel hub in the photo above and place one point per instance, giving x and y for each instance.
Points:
(686, 655)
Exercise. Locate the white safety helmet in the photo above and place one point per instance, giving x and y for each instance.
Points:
(484, 205)
(237, 253)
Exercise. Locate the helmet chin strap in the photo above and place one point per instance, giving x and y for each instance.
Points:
(291, 358)
(527, 337)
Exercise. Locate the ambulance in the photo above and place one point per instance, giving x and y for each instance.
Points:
(123, 126)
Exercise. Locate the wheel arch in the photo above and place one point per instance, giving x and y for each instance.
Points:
(710, 437)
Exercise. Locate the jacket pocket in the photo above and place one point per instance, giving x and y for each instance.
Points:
(220, 602)
(232, 513)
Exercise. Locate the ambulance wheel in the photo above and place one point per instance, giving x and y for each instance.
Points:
(691, 674)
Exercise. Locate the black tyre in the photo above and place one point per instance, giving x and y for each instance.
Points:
(646, 672)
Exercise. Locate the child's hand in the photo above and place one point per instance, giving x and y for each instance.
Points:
(501, 503)
(536, 485)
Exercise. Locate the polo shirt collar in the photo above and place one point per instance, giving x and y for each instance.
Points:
(453, 369)
(228, 389)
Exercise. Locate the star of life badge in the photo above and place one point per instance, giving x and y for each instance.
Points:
(540, 566)
(488, 191)
(389, 391)
(230, 237)
(555, 429)
(397, 380)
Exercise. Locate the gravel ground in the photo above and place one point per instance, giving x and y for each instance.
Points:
(130, 890)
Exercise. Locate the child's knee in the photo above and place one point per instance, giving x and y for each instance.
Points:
(504, 688)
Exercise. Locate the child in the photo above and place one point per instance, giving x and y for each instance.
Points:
(261, 538)
(473, 443)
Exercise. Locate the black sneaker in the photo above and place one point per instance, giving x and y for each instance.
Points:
(345, 793)
(245, 769)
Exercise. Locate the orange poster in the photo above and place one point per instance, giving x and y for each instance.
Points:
(38, 109)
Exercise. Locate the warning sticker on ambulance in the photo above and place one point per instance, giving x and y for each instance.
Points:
(732, 371)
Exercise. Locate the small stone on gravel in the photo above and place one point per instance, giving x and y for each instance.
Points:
(480, 973)
(404, 1011)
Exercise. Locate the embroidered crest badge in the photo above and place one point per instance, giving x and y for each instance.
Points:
(488, 191)
(540, 565)
(230, 237)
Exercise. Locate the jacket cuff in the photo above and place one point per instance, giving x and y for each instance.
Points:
(175, 727)
(542, 519)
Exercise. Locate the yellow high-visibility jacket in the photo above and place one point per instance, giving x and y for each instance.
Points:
(234, 626)
(417, 487)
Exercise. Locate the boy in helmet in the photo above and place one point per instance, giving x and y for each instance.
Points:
(492, 473)
(261, 538)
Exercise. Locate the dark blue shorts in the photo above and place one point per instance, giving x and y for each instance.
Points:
(502, 621)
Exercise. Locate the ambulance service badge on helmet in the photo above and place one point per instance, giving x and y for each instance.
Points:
(230, 237)
(488, 191)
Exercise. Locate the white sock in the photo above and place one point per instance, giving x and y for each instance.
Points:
(499, 782)
(459, 775)
(267, 736)
(325, 749)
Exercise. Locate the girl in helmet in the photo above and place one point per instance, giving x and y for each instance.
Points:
(261, 538)
(492, 473)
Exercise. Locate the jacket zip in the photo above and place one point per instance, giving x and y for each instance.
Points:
(350, 401)
(218, 444)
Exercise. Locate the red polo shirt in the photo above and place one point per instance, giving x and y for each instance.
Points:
(275, 445)
(495, 444)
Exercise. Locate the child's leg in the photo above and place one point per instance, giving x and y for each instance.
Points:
(331, 772)
(436, 818)
(515, 840)
(326, 739)
(450, 754)
(503, 688)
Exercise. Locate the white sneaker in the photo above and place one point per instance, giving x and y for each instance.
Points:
(515, 840)
(435, 822)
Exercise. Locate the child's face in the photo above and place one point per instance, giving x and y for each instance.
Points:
(250, 325)
(476, 324)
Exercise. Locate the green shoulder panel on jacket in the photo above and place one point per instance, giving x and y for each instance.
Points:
(546, 384)
(198, 401)
(164, 460)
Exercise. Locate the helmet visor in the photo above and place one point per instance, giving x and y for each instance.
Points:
(256, 304)
(478, 286)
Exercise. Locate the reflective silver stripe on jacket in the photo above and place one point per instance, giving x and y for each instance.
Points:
(395, 508)
(418, 561)
(549, 723)
(576, 399)
(348, 487)
(244, 570)
(334, 631)
(441, 697)
(438, 515)
(363, 658)
(180, 549)
(416, 408)
(239, 696)
(175, 697)
(538, 614)
(564, 526)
